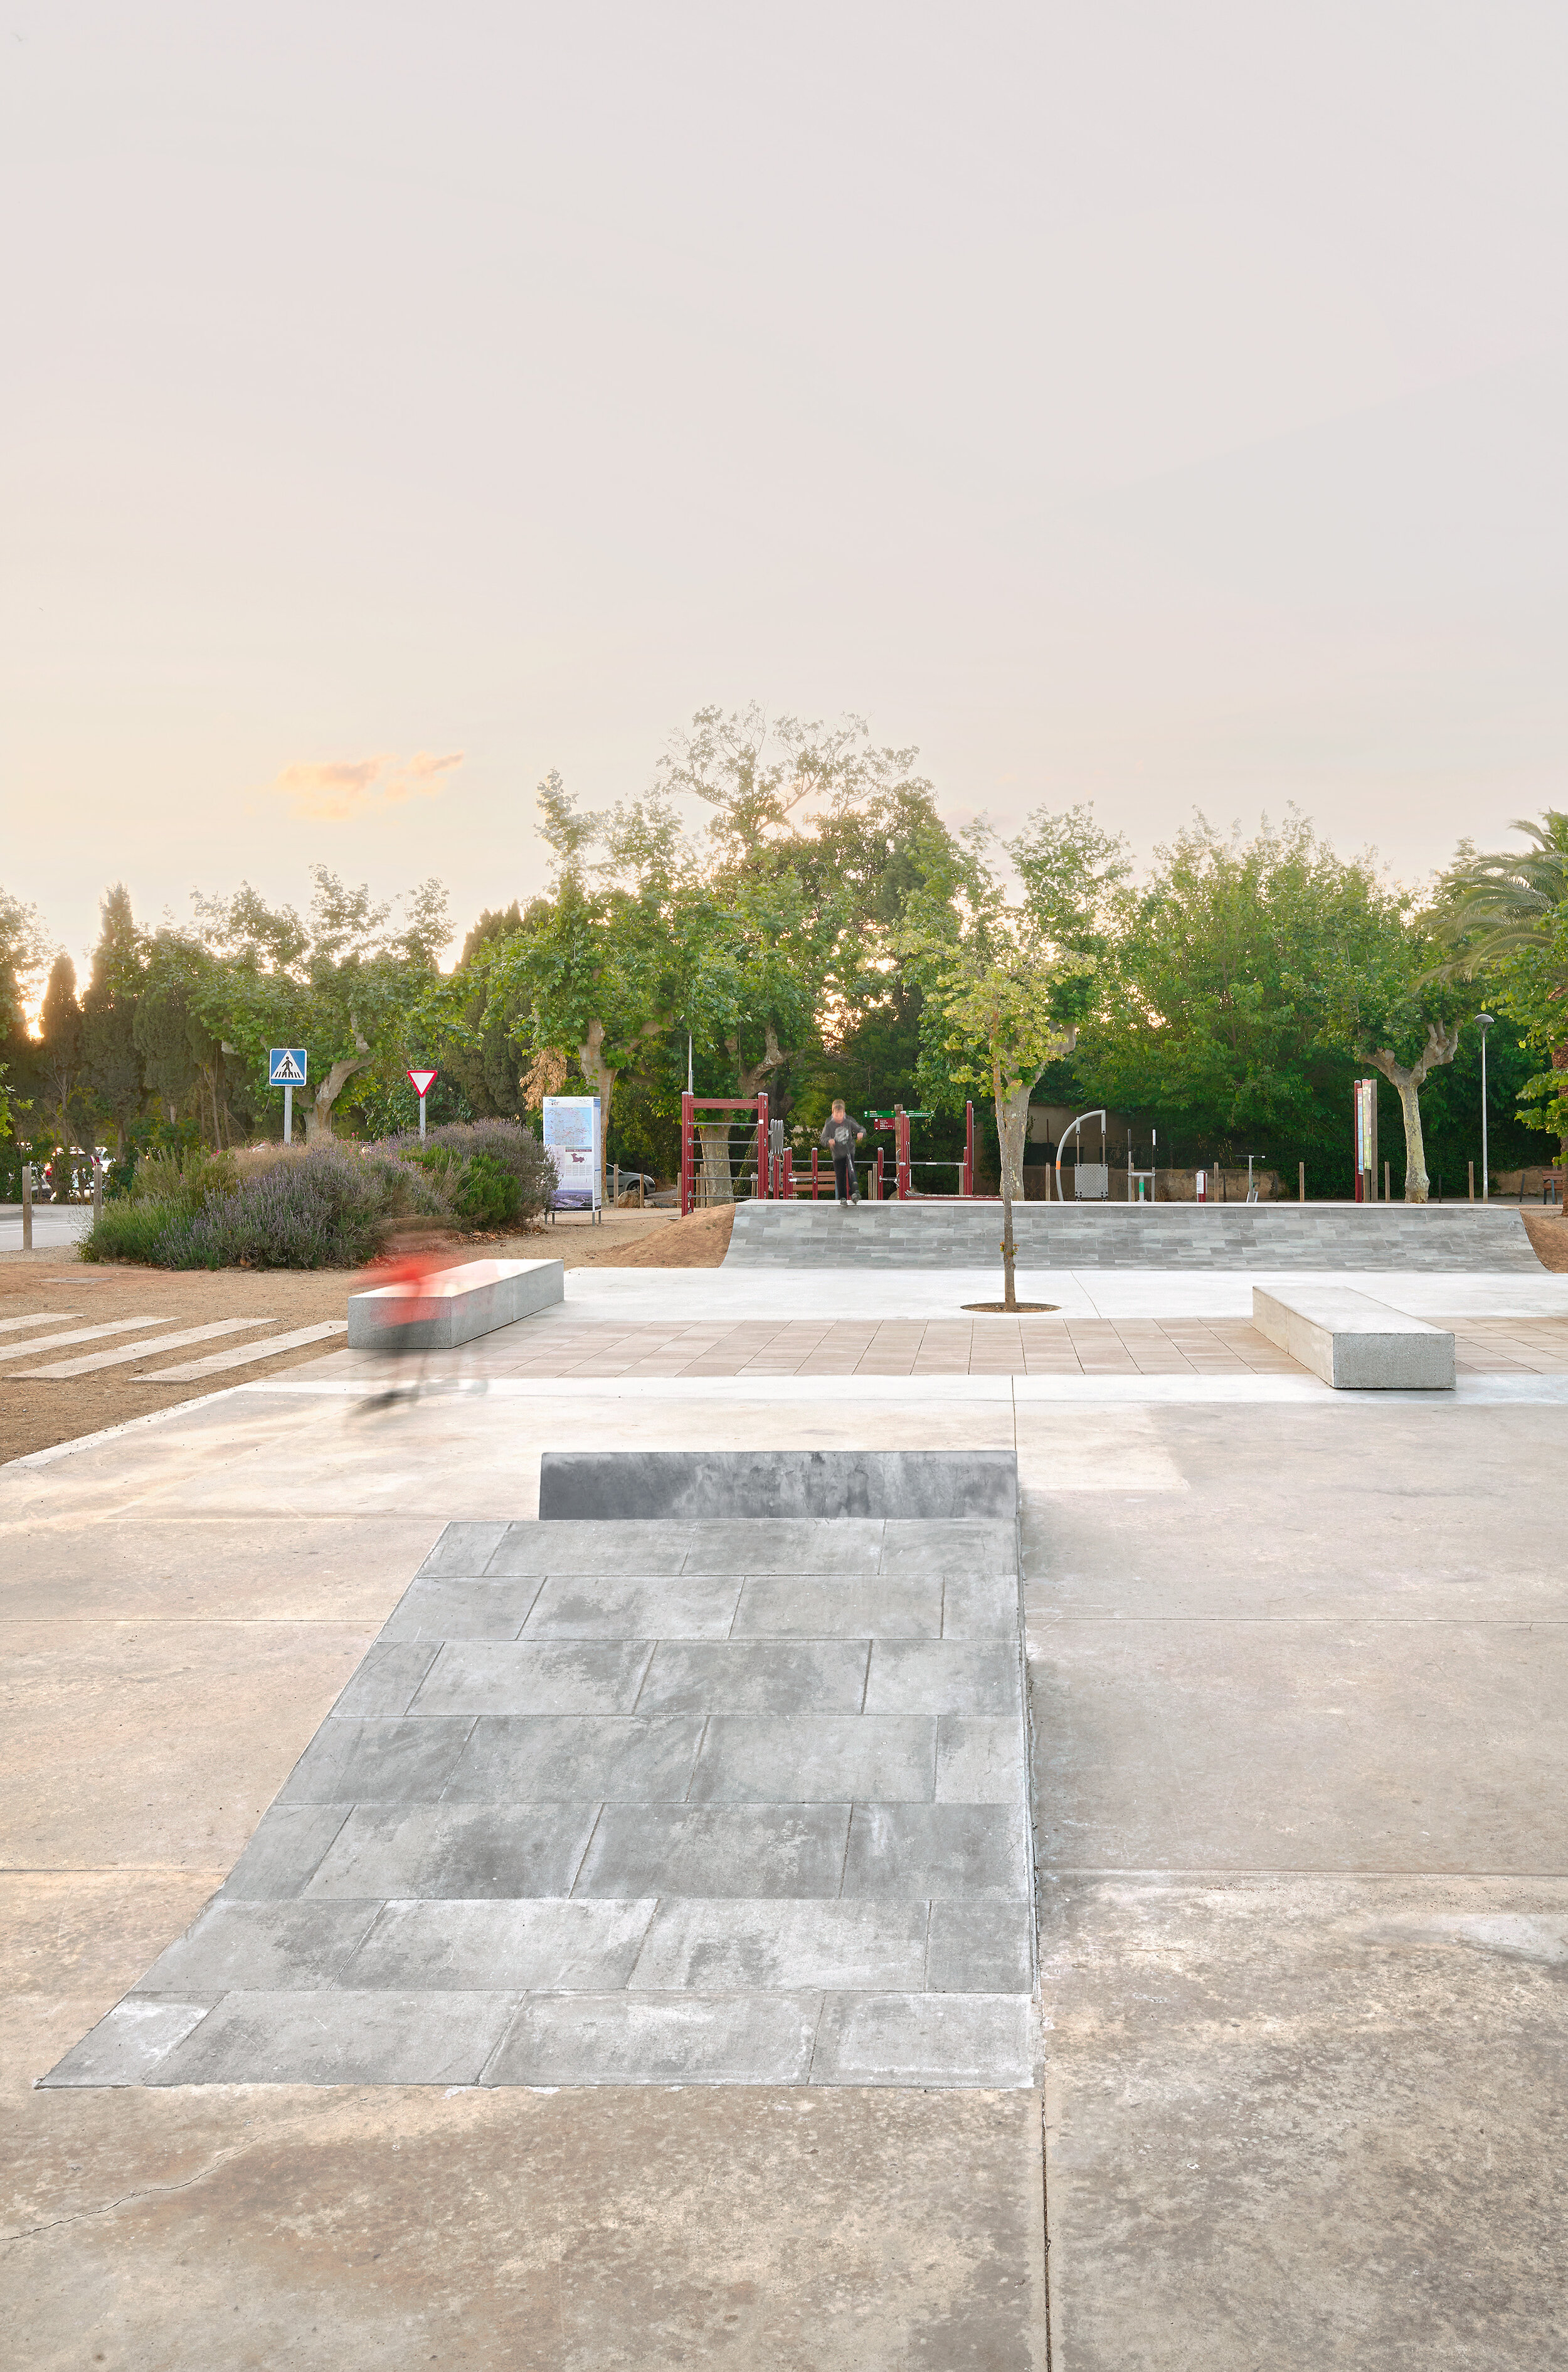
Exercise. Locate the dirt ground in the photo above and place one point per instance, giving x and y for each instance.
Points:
(1548, 1232)
(36, 1415)
(700, 1241)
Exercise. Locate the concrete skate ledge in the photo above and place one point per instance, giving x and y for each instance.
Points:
(597, 1486)
(456, 1305)
(1353, 1342)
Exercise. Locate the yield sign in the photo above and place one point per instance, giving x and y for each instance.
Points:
(421, 1081)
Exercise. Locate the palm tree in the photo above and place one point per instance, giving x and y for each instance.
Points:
(1493, 909)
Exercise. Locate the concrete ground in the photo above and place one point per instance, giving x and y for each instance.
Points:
(1299, 1670)
(55, 1226)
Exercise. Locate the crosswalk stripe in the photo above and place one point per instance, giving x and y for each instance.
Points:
(84, 1367)
(270, 1349)
(37, 1317)
(82, 1334)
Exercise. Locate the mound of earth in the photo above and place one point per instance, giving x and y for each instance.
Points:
(1548, 1232)
(700, 1241)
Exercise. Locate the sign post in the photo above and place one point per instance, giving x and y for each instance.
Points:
(1363, 1107)
(287, 1066)
(421, 1082)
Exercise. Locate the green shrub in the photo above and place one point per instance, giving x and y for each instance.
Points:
(185, 1178)
(451, 1153)
(331, 1207)
(134, 1230)
(488, 1192)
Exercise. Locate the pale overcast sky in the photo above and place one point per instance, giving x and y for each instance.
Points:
(1155, 403)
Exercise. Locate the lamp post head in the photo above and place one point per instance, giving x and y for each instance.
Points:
(1485, 1021)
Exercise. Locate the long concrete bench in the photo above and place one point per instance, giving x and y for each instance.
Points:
(456, 1304)
(1353, 1342)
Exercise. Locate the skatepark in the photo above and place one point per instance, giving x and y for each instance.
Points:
(763, 1813)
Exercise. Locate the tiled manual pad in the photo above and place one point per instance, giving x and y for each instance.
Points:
(737, 1802)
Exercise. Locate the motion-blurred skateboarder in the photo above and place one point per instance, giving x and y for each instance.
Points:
(841, 1135)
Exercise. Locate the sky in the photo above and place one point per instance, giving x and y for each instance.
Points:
(1160, 405)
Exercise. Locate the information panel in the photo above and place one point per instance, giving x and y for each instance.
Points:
(572, 1140)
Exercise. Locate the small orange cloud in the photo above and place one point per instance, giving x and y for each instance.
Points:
(344, 790)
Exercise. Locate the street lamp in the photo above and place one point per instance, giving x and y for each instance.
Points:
(1485, 1021)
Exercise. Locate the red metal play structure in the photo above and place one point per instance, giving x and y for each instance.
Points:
(767, 1165)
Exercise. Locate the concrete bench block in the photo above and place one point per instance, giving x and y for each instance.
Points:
(456, 1304)
(614, 1484)
(1353, 1342)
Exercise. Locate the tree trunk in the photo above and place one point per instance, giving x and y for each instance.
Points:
(601, 1083)
(748, 1076)
(1009, 1281)
(319, 1113)
(1011, 1132)
(718, 1184)
(1560, 1063)
(1442, 1045)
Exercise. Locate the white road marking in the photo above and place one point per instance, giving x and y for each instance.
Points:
(275, 1344)
(63, 1368)
(82, 1334)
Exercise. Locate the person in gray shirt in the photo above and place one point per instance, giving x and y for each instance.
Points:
(841, 1135)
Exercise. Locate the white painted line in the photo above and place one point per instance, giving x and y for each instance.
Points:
(271, 1349)
(38, 1318)
(914, 1392)
(88, 1366)
(82, 1334)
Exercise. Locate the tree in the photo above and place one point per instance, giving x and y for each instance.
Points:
(1219, 1005)
(595, 965)
(108, 1015)
(1504, 916)
(993, 998)
(360, 996)
(24, 956)
(60, 1034)
(1393, 1007)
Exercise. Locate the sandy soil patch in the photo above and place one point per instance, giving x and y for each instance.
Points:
(37, 1414)
(700, 1241)
(1548, 1232)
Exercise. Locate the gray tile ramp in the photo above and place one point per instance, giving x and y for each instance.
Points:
(702, 1801)
(1432, 1236)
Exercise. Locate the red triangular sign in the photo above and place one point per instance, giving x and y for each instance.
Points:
(422, 1081)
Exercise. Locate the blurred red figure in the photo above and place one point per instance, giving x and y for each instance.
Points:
(406, 1312)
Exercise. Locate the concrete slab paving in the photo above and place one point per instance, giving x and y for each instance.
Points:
(1299, 1735)
(1391, 2092)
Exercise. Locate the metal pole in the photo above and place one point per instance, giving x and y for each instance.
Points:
(1485, 1021)
(689, 1088)
(288, 1115)
(26, 1206)
(97, 1186)
(422, 1120)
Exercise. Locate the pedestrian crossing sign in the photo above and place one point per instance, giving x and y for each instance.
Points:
(285, 1067)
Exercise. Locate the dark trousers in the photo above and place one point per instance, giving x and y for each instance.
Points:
(843, 1175)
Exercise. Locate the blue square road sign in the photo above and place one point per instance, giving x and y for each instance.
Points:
(285, 1067)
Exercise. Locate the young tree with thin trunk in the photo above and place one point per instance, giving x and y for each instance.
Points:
(995, 1000)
